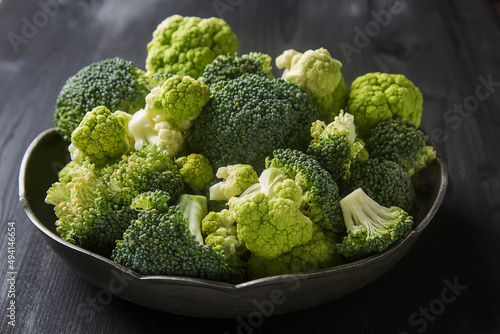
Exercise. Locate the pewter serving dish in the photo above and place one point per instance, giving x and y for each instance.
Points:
(47, 154)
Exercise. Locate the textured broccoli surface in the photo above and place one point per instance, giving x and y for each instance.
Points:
(232, 65)
(317, 253)
(371, 227)
(399, 140)
(196, 171)
(249, 117)
(113, 83)
(235, 180)
(377, 97)
(382, 180)
(335, 146)
(330, 105)
(320, 194)
(185, 45)
(159, 242)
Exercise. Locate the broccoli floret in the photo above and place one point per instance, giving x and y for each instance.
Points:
(113, 83)
(196, 171)
(335, 146)
(159, 242)
(249, 117)
(317, 73)
(231, 66)
(185, 45)
(320, 194)
(178, 100)
(382, 180)
(399, 140)
(235, 180)
(268, 218)
(93, 207)
(377, 97)
(64, 174)
(101, 137)
(371, 227)
(220, 231)
(317, 253)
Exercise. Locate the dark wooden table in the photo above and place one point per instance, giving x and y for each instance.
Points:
(447, 283)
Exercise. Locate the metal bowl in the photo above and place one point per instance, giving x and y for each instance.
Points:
(47, 154)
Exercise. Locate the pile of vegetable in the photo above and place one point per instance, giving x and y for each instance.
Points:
(207, 165)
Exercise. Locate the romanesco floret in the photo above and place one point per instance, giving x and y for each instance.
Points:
(249, 117)
(335, 146)
(268, 218)
(371, 227)
(317, 253)
(377, 97)
(178, 101)
(382, 180)
(185, 45)
(159, 242)
(113, 83)
(399, 140)
(320, 194)
(101, 137)
(317, 73)
(231, 66)
(235, 180)
(196, 171)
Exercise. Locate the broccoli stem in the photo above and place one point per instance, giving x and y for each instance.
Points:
(194, 209)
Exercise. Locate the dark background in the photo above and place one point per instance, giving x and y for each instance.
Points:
(446, 47)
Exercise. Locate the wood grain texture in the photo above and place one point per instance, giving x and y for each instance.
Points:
(447, 47)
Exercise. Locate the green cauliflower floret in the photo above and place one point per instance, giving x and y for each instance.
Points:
(377, 97)
(144, 130)
(231, 66)
(268, 218)
(317, 73)
(159, 242)
(399, 140)
(93, 207)
(101, 137)
(64, 174)
(113, 83)
(249, 117)
(371, 227)
(235, 180)
(219, 230)
(196, 170)
(317, 253)
(178, 100)
(185, 45)
(384, 181)
(335, 146)
(320, 194)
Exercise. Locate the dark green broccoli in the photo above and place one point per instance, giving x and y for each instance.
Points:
(114, 83)
(399, 140)
(231, 66)
(249, 117)
(371, 227)
(335, 145)
(320, 196)
(92, 208)
(382, 180)
(159, 242)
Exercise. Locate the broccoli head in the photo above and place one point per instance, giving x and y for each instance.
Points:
(231, 66)
(399, 140)
(268, 218)
(101, 137)
(335, 146)
(320, 194)
(384, 181)
(317, 253)
(113, 83)
(235, 180)
(185, 45)
(377, 97)
(371, 227)
(249, 117)
(195, 170)
(159, 242)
